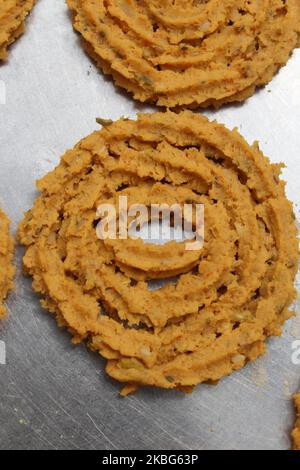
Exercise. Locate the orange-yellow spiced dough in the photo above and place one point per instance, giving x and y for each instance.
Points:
(227, 298)
(296, 431)
(186, 52)
(6, 255)
(12, 18)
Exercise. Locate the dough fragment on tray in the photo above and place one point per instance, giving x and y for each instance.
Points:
(6, 268)
(12, 22)
(189, 53)
(228, 298)
(296, 431)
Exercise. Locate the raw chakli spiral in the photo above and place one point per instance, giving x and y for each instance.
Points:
(296, 431)
(6, 255)
(228, 297)
(189, 52)
(12, 18)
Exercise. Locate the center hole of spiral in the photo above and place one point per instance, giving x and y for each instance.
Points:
(161, 232)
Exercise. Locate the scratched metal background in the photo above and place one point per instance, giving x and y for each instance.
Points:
(56, 396)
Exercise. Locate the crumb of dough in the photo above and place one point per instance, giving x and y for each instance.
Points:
(12, 22)
(129, 389)
(6, 268)
(189, 53)
(228, 297)
(296, 431)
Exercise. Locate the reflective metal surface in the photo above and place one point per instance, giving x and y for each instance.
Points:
(55, 395)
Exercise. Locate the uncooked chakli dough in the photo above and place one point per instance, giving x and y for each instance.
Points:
(6, 255)
(229, 297)
(189, 52)
(12, 19)
(296, 431)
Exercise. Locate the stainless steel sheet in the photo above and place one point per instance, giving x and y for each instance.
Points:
(54, 395)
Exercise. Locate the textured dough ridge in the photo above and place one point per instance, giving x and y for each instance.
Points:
(12, 22)
(6, 254)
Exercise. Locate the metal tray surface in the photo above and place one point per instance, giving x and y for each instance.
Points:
(54, 395)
